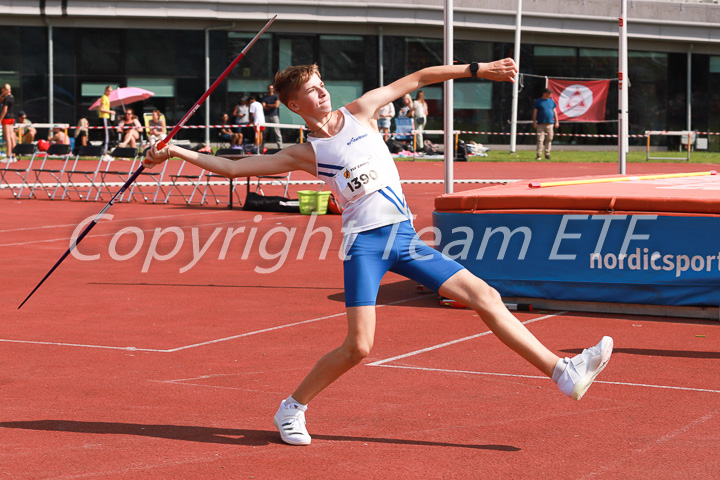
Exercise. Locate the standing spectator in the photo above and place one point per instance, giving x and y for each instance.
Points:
(407, 109)
(385, 115)
(81, 133)
(129, 129)
(544, 117)
(26, 133)
(241, 111)
(420, 116)
(7, 119)
(271, 109)
(157, 129)
(257, 120)
(242, 117)
(105, 114)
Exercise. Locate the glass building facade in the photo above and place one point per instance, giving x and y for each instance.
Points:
(171, 63)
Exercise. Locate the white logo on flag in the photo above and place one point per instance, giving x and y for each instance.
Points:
(575, 100)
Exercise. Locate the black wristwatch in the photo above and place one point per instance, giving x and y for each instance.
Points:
(474, 67)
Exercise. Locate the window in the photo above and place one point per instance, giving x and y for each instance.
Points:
(555, 61)
(295, 50)
(422, 52)
(598, 63)
(257, 65)
(64, 51)
(100, 52)
(648, 92)
(150, 52)
(342, 57)
(11, 58)
(161, 87)
(94, 90)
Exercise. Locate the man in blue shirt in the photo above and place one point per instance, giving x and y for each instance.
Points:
(544, 117)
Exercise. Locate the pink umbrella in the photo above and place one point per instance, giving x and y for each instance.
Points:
(125, 96)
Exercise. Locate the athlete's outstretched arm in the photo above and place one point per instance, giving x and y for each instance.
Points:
(500, 70)
(296, 157)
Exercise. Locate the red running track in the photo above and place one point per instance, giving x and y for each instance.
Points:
(111, 372)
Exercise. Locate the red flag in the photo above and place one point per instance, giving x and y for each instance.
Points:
(580, 101)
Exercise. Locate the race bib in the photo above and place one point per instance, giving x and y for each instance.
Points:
(361, 178)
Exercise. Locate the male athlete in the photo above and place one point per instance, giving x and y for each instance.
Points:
(347, 151)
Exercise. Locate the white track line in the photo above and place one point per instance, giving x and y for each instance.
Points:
(152, 229)
(470, 372)
(292, 182)
(201, 344)
(645, 385)
(42, 227)
(56, 344)
(383, 363)
(256, 332)
(453, 342)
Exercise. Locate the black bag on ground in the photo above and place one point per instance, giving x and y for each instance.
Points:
(461, 154)
(255, 202)
(394, 146)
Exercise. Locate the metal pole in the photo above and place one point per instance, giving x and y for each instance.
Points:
(622, 87)
(51, 77)
(207, 85)
(626, 90)
(688, 94)
(448, 100)
(381, 53)
(513, 120)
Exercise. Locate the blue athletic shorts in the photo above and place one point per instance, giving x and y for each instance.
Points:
(377, 251)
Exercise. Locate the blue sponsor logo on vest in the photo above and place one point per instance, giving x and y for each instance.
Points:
(355, 139)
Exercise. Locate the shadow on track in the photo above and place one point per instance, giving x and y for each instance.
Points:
(227, 436)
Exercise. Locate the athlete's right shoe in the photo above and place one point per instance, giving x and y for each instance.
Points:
(575, 375)
(290, 421)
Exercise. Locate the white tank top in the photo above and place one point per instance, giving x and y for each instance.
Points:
(357, 166)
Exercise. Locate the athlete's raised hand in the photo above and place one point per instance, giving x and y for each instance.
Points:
(503, 70)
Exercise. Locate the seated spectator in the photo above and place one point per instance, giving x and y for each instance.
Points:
(226, 134)
(58, 135)
(129, 130)
(158, 129)
(81, 133)
(407, 107)
(26, 134)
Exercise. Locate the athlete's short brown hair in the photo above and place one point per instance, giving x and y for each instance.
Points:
(288, 81)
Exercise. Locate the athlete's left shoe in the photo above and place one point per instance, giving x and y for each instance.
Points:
(290, 421)
(580, 371)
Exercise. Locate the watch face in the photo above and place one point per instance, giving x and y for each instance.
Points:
(474, 68)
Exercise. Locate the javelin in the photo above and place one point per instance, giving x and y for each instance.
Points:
(618, 179)
(161, 145)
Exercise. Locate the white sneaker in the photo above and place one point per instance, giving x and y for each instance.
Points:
(290, 421)
(107, 158)
(581, 370)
